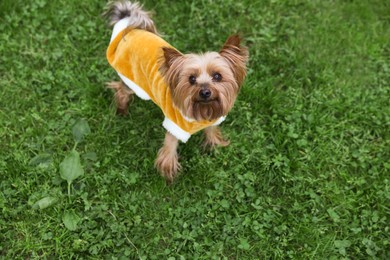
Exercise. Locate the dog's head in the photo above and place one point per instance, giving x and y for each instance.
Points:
(205, 86)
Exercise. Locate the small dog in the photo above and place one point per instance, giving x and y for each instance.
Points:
(194, 91)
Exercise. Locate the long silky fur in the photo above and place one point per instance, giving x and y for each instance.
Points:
(209, 111)
(139, 19)
(236, 56)
(230, 62)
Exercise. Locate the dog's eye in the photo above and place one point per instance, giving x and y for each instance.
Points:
(217, 77)
(192, 80)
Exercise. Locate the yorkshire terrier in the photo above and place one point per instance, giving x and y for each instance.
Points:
(194, 91)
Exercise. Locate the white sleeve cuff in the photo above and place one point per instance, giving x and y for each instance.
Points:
(137, 89)
(175, 130)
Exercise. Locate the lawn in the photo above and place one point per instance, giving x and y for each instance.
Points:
(306, 175)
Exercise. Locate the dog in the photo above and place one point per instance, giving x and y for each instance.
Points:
(194, 91)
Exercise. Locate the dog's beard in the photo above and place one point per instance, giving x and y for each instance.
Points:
(210, 110)
(186, 99)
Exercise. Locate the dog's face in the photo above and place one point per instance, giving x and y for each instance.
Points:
(204, 87)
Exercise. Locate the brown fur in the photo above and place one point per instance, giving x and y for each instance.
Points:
(236, 56)
(122, 96)
(214, 137)
(140, 19)
(167, 159)
(230, 62)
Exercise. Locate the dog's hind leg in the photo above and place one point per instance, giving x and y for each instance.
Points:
(122, 96)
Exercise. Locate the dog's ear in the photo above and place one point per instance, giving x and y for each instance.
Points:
(170, 66)
(170, 55)
(236, 56)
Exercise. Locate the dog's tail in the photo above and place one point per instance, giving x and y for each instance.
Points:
(138, 18)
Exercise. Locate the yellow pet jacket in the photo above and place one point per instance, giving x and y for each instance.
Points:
(134, 54)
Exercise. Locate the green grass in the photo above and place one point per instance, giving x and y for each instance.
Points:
(306, 175)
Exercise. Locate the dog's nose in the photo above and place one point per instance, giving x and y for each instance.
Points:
(205, 93)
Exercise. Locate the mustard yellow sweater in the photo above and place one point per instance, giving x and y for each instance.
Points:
(134, 54)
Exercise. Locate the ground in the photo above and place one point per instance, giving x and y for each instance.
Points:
(306, 175)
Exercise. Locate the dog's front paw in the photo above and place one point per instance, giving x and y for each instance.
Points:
(167, 164)
(213, 142)
(214, 138)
